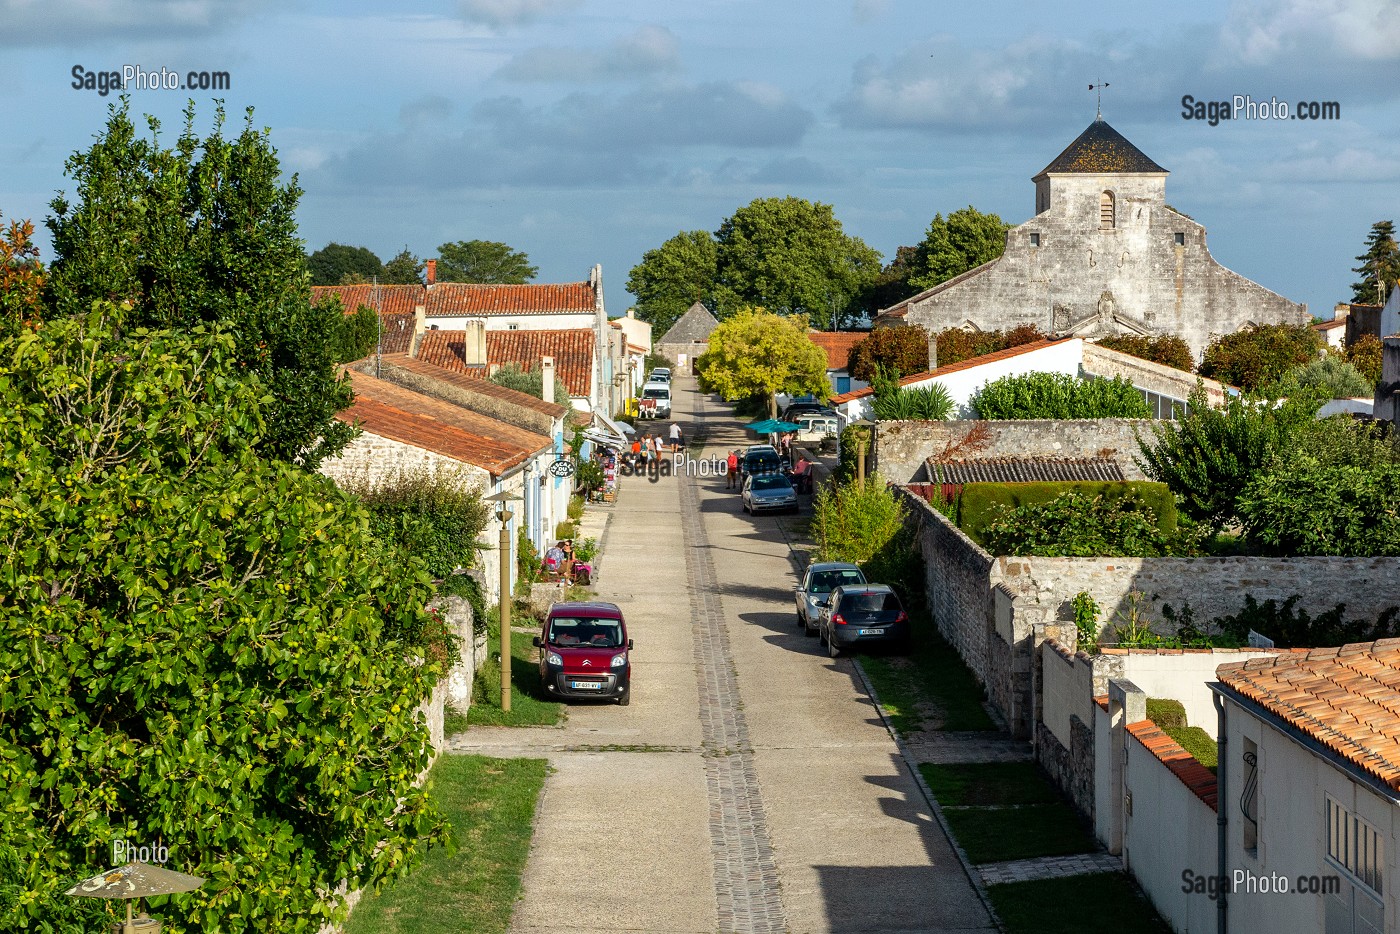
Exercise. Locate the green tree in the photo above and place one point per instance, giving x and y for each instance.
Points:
(22, 278)
(529, 381)
(1257, 356)
(892, 285)
(436, 516)
(1380, 265)
(357, 335)
(1329, 377)
(1366, 355)
(792, 257)
(198, 645)
(674, 276)
(965, 240)
(331, 264)
(1059, 395)
(954, 345)
(483, 261)
(1325, 510)
(1208, 456)
(1077, 525)
(205, 232)
(1166, 349)
(404, 269)
(758, 353)
(901, 350)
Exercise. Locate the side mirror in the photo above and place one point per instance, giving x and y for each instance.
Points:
(537, 642)
(824, 604)
(629, 644)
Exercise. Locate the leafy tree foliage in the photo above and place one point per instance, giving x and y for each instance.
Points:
(435, 516)
(1325, 510)
(792, 256)
(1329, 377)
(1076, 525)
(1290, 627)
(1380, 265)
(1257, 356)
(966, 239)
(1058, 395)
(901, 350)
(863, 523)
(531, 381)
(205, 232)
(357, 335)
(1366, 355)
(1166, 349)
(404, 269)
(758, 353)
(1209, 455)
(892, 285)
(334, 262)
(21, 277)
(198, 645)
(674, 276)
(954, 345)
(483, 261)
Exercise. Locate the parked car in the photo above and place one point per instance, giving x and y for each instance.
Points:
(815, 427)
(794, 412)
(862, 614)
(656, 400)
(763, 462)
(660, 375)
(765, 492)
(816, 585)
(585, 652)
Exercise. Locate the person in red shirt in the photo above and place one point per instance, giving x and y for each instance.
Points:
(731, 475)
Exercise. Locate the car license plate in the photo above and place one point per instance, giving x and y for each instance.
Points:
(872, 632)
(585, 685)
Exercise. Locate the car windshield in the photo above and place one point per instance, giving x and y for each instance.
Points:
(762, 463)
(771, 482)
(656, 394)
(567, 631)
(870, 603)
(827, 581)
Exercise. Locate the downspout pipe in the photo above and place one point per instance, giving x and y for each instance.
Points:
(1222, 759)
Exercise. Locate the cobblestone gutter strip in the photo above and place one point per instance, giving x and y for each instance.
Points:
(748, 896)
(909, 763)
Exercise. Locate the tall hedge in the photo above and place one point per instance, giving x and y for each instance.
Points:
(1059, 395)
(980, 504)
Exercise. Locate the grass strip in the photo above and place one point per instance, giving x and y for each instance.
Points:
(529, 704)
(995, 836)
(989, 783)
(473, 885)
(934, 676)
(1099, 903)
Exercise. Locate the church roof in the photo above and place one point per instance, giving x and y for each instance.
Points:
(1101, 149)
(695, 326)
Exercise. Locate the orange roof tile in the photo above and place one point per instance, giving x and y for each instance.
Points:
(399, 414)
(837, 345)
(955, 367)
(1347, 699)
(571, 348)
(474, 383)
(387, 299)
(454, 299)
(1199, 779)
(1329, 325)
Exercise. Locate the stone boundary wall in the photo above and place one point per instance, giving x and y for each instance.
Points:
(1144, 374)
(902, 447)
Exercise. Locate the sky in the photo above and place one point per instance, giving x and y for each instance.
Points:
(589, 131)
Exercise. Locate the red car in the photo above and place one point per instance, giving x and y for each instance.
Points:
(585, 652)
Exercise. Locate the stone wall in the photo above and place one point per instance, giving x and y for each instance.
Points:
(902, 447)
(1144, 374)
(957, 580)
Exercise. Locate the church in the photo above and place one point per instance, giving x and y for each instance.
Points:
(1104, 254)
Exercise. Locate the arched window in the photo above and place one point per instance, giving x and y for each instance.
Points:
(1106, 212)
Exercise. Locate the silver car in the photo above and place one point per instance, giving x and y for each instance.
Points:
(768, 491)
(816, 586)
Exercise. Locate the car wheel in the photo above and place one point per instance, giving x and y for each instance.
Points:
(832, 649)
(626, 699)
(801, 622)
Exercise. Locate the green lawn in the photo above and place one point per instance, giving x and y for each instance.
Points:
(529, 705)
(1006, 810)
(983, 783)
(932, 680)
(1102, 903)
(471, 886)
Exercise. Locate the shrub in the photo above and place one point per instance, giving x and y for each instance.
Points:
(923, 403)
(1077, 525)
(1330, 377)
(955, 345)
(980, 504)
(1366, 356)
(1058, 395)
(1166, 713)
(356, 335)
(1290, 628)
(1342, 510)
(589, 475)
(901, 350)
(1258, 356)
(864, 524)
(586, 550)
(529, 381)
(1166, 350)
(1086, 620)
(854, 438)
(563, 530)
(435, 516)
(527, 559)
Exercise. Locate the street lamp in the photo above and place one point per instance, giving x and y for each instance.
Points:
(503, 513)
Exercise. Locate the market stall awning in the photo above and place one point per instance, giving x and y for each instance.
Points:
(771, 426)
(608, 431)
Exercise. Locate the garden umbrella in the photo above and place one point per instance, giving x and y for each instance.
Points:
(773, 426)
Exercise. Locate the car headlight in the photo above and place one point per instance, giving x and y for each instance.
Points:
(552, 658)
(619, 661)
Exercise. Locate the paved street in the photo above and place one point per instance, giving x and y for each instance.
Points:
(750, 786)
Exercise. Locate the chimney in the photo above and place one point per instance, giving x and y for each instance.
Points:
(430, 271)
(547, 378)
(474, 343)
(420, 326)
(1341, 311)
(632, 313)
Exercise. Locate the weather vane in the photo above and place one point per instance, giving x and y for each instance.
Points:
(1098, 115)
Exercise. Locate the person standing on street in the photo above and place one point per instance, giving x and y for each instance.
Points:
(675, 437)
(731, 475)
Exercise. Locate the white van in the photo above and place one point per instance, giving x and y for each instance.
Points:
(656, 400)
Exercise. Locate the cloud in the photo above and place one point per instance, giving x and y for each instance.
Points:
(868, 10)
(787, 170)
(425, 111)
(1289, 31)
(75, 22)
(504, 13)
(648, 51)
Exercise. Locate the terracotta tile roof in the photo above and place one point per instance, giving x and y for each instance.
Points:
(1329, 325)
(399, 414)
(955, 367)
(451, 299)
(476, 384)
(571, 348)
(1182, 764)
(1023, 470)
(1347, 699)
(837, 345)
(390, 299)
(1098, 149)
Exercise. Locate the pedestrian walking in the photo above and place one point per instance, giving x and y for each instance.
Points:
(731, 474)
(675, 437)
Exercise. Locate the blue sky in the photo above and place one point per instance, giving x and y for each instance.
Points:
(588, 131)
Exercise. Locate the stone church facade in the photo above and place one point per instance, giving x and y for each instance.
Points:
(1102, 255)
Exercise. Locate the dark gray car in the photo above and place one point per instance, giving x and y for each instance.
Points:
(817, 584)
(863, 614)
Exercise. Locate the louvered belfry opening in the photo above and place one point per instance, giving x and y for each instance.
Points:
(1106, 213)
